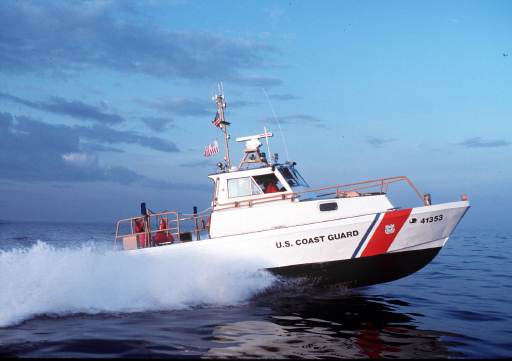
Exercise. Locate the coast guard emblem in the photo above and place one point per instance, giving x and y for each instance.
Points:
(389, 228)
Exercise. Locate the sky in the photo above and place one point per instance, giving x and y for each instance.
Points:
(106, 104)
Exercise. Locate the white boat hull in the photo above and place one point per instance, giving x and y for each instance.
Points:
(357, 251)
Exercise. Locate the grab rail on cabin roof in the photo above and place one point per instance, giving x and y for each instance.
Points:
(175, 225)
(382, 182)
(339, 190)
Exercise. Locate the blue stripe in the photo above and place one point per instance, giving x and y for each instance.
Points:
(366, 235)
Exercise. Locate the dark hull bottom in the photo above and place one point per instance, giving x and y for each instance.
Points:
(363, 271)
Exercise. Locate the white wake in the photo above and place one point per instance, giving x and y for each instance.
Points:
(60, 281)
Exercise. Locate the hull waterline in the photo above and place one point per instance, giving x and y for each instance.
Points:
(360, 271)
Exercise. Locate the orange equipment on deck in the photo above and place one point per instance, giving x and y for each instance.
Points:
(139, 230)
(163, 236)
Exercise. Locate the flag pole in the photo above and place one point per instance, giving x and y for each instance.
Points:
(220, 108)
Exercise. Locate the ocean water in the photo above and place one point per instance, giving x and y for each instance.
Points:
(65, 293)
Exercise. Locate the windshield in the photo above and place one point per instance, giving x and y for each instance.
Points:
(292, 176)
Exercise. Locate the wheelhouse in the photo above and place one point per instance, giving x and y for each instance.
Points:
(253, 184)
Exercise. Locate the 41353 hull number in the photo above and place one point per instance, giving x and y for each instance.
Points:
(432, 219)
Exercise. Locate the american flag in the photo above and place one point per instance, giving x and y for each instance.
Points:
(217, 120)
(211, 149)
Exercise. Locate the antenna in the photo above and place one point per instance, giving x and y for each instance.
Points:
(279, 124)
(268, 146)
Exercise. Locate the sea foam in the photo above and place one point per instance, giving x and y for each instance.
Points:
(44, 280)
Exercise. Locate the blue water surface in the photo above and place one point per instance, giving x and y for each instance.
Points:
(65, 293)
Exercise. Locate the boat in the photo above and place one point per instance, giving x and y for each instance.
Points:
(264, 213)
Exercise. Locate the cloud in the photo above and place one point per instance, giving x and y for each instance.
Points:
(182, 106)
(75, 109)
(6, 121)
(73, 37)
(108, 135)
(158, 124)
(479, 142)
(379, 142)
(32, 150)
(302, 119)
(100, 131)
(97, 147)
(81, 158)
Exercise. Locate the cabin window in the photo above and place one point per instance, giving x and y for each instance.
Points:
(332, 206)
(266, 181)
(292, 176)
(242, 187)
(255, 188)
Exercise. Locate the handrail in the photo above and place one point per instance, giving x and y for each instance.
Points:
(174, 224)
(272, 197)
(382, 182)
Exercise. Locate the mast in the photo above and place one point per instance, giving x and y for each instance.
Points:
(224, 125)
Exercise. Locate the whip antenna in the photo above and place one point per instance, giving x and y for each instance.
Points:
(279, 125)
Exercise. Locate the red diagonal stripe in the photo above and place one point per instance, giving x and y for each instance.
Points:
(380, 241)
